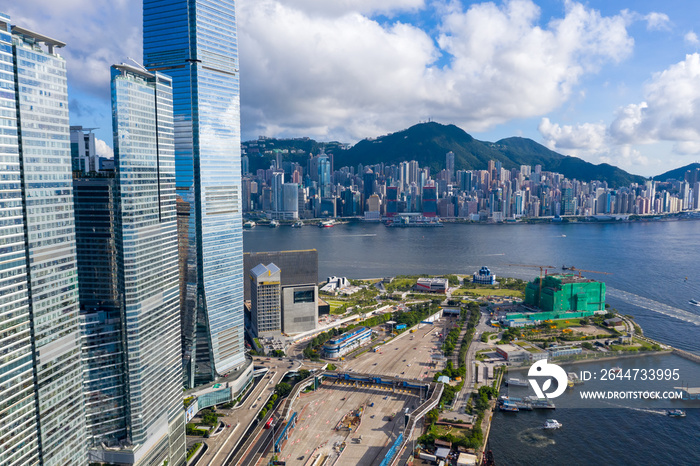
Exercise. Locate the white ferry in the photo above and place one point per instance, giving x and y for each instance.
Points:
(552, 424)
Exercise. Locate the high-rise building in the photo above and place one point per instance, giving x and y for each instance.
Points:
(450, 166)
(102, 347)
(429, 201)
(290, 198)
(324, 175)
(82, 146)
(42, 418)
(147, 273)
(297, 267)
(277, 194)
(265, 300)
(196, 43)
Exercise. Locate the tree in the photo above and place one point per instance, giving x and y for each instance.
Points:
(303, 373)
(431, 416)
(283, 389)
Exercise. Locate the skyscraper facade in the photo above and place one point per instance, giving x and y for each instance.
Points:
(147, 264)
(104, 378)
(41, 404)
(83, 151)
(195, 42)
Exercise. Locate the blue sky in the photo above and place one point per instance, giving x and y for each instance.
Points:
(608, 81)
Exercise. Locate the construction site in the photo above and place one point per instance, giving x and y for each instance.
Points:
(354, 419)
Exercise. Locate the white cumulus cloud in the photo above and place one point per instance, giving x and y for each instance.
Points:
(340, 69)
(670, 112)
(350, 76)
(691, 38)
(658, 22)
(97, 35)
(587, 136)
(102, 149)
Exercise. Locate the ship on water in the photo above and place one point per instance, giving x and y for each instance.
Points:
(413, 221)
(516, 382)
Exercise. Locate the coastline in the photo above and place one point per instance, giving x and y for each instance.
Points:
(565, 220)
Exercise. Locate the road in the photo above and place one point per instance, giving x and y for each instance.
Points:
(409, 356)
(461, 399)
(240, 418)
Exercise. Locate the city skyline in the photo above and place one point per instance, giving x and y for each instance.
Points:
(606, 81)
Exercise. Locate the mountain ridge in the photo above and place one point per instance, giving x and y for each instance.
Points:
(427, 143)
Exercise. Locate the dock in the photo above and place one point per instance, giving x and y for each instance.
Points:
(686, 355)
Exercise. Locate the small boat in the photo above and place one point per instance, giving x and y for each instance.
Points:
(297, 224)
(516, 382)
(249, 225)
(694, 302)
(274, 224)
(509, 407)
(616, 369)
(326, 224)
(552, 424)
(676, 413)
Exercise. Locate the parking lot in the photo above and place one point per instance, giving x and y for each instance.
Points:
(409, 357)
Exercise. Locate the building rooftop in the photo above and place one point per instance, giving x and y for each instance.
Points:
(570, 278)
(264, 270)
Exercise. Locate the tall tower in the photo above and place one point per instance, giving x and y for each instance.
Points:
(42, 417)
(450, 165)
(196, 43)
(147, 264)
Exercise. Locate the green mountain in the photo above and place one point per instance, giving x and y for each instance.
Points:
(678, 173)
(428, 143)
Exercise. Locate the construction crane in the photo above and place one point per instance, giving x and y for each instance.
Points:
(574, 269)
(542, 268)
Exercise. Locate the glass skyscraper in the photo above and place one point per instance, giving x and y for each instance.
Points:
(41, 403)
(104, 378)
(147, 265)
(195, 42)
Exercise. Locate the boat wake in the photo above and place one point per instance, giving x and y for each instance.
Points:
(654, 306)
(641, 410)
(534, 438)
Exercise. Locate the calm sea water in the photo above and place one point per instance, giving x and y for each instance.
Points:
(654, 270)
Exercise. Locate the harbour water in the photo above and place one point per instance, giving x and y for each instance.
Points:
(655, 271)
